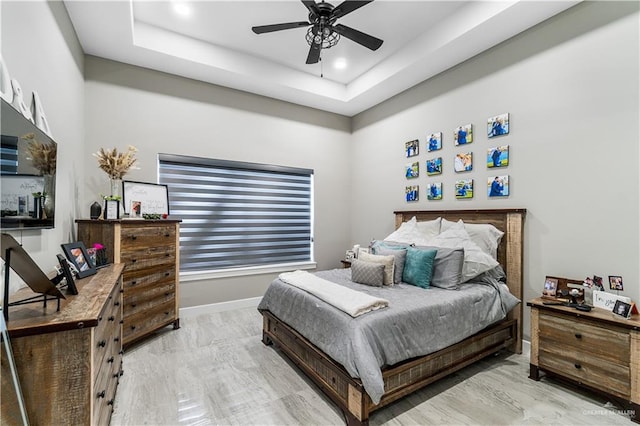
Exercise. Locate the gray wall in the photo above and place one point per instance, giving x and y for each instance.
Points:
(41, 51)
(571, 88)
(161, 113)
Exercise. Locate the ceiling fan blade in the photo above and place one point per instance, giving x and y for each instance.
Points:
(347, 7)
(314, 54)
(278, 27)
(366, 40)
(311, 6)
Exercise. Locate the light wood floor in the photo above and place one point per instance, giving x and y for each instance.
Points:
(215, 370)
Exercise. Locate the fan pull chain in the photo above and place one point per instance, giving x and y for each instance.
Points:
(321, 68)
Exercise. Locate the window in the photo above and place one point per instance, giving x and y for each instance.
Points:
(237, 214)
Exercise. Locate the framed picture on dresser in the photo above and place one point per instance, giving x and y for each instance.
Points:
(78, 256)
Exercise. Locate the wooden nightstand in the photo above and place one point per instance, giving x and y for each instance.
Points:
(596, 350)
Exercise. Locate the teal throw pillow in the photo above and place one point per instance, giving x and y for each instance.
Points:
(418, 267)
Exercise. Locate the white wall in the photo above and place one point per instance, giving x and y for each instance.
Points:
(41, 51)
(161, 113)
(571, 87)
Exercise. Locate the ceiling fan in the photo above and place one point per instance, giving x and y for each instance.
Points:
(324, 32)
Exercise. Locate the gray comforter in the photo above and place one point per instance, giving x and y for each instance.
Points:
(417, 321)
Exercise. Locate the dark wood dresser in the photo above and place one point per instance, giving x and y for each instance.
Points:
(596, 350)
(68, 361)
(150, 251)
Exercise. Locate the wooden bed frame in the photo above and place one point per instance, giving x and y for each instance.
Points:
(408, 376)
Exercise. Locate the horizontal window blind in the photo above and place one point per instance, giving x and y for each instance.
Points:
(237, 214)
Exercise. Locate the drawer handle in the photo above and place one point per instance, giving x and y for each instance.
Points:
(110, 402)
(133, 260)
(116, 339)
(166, 313)
(112, 318)
(167, 293)
(578, 336)
(133, 327)
(167, 254)
(167, 235)
(110, 360)
(102, 343)
(578, 366)
(101, 394)
(99, 319)
(166, 274)
(122, 290)
(116, 375)
(133, 305)
(116, 304)
(133, 237)
(121, 321)
(121, 352)
(134, 282)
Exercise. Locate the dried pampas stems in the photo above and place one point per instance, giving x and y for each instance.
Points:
(116, 164)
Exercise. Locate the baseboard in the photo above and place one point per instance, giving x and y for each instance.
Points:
(526, 348)
(219, 307)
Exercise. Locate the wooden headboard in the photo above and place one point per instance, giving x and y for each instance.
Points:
(510, 250)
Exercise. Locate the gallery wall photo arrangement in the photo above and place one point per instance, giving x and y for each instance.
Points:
(498, 125)
(498, 186)
(463, 162)
(434, 191)
(463, 135)
(434, 142)
(411, 148)
(498, 156)
(464, 188)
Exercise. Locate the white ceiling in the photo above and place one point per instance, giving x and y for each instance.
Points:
(215, 44)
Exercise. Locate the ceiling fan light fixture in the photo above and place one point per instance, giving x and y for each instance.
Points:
(328, 40)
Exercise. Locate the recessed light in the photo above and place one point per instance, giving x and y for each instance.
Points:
(340, 63)
(181, 8)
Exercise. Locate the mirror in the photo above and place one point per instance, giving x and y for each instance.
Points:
(27, 173)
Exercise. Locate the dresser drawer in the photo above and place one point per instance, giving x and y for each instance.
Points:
(148, 298)
(136, 237)
(149, 257)
(608, 344)
(582, 367)
(140, 280)
(146, 321)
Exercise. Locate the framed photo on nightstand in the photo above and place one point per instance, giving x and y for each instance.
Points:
(623, 309)
(550, 287)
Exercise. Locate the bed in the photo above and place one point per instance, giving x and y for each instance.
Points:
(398, 379)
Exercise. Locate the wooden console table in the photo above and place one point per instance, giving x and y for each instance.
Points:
(68, 361)
(596, 350)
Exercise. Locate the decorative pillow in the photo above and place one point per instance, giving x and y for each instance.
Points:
(367, 273)
(484, 235)
(447, 267)
(399, 255)
(418, 267)
(387, 261)
(476, 261)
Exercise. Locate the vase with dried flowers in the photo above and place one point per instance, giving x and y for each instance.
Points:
(116, 165)
(43, 157)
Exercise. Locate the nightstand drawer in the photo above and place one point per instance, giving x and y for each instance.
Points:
(608, 344)
(584, 368)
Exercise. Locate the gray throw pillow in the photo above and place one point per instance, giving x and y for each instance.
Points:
(447, 267)
(368, 273)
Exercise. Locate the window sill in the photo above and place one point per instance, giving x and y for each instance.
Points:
(249, 270)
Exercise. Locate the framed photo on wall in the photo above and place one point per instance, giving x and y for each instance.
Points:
(498, 156)
(464, 188)
(463, 135)
(498, 186)
(411, 148)
(498, 125)
(434, 166)
(434, 191)
(412, 170)
(411, 193)
(463, 162)
(434, 142)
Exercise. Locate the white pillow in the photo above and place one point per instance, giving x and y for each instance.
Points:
(484, 235)
(429, 228)
(387, 261)
(476, 261)
(414, 232)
